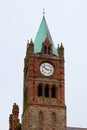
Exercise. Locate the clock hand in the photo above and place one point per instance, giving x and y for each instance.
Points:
(46, 68)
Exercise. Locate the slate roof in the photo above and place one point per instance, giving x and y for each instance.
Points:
(76, 128)
(42, 33)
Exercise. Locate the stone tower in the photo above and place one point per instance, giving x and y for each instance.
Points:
(44, 85)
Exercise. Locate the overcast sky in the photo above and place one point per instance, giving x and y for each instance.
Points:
(67, 22)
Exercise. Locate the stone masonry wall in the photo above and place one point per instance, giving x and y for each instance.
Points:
(31, 121)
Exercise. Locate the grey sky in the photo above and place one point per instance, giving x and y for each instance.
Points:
(67, 22)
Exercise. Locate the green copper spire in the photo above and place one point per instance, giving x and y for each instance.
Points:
(43, 32)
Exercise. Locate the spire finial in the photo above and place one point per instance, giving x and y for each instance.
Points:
(43, 12)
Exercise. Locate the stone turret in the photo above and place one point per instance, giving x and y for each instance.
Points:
(31, 47)
(14, 122)
(61, 51)
(10, 121)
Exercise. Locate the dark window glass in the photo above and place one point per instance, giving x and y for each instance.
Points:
(53, 92)
(40, 90)
(48, 50)
(45, 49)
(46, 91)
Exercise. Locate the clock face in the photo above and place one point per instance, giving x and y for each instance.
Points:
(46, 69)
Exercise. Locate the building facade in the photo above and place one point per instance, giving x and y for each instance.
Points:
(44, 86)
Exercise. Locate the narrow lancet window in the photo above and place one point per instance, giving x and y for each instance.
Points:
(46, 91)
(48, 50)
(53, 121)
(40, 121)
(40, 90)
(45, 49)
(53, 92)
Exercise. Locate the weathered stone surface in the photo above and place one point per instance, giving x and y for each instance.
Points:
(32, 119)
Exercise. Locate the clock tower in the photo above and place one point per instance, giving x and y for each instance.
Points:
(44, 85)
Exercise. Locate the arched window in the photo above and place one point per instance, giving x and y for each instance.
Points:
(46, 91)
(53, 121)
(45, 49)
(53, 92)
(60, 93)
(48, 50)
(40, 90)
(40, 121)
